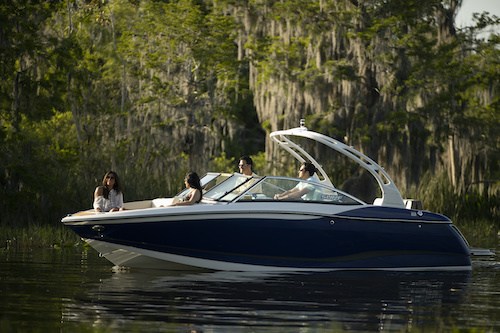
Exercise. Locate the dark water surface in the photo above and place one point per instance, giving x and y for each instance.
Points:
(74, 290)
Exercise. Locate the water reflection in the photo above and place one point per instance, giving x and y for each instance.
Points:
(233, 301)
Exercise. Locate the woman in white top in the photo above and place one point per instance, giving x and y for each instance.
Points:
(109, 196)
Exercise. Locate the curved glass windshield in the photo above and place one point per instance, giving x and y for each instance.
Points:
(290, 189)
(231, 188)
(246, 188)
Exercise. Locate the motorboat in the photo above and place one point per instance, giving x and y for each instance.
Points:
(239, 225)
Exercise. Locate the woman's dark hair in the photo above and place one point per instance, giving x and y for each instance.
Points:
(309, 167)
(117, 186)
(193, 180)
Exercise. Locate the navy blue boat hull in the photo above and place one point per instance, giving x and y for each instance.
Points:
(322, 243)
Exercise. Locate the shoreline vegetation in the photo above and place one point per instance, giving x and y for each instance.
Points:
(39, 236)
(479, 233)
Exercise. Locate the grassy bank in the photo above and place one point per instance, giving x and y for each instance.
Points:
(480, 233)
(33, 236)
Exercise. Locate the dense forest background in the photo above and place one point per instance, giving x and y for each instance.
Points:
(151, 89)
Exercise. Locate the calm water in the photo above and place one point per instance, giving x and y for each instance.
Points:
(74, 290)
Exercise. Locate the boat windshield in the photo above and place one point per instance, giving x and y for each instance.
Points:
(245, 188)
(231, 188)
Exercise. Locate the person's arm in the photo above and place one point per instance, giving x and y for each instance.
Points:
(99, 204)
(293, 193)
(98, 199)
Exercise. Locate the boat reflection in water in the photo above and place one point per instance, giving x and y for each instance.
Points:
(246, 301)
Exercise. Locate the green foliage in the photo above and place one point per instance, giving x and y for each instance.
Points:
(224, 164)
(41, 173)
(152, 89)
(260, 165)
(438, 194)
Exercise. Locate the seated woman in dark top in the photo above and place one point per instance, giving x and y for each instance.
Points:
(191, 181)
